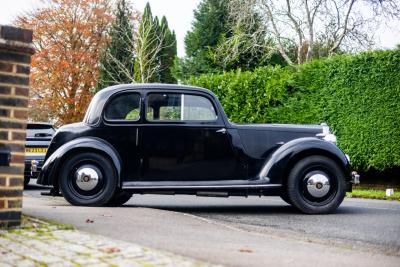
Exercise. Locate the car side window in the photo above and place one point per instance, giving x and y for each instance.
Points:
(123, 107)
(179, 107)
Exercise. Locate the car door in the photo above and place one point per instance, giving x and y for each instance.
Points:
(121, 126)
(184, 139)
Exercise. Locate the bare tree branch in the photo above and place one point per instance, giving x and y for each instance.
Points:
(315, 27)
(345, 29)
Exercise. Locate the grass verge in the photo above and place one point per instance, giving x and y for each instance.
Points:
(373, 194)
(32, 223)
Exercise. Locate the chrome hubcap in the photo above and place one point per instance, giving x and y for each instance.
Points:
(318, 185)
(86, 178)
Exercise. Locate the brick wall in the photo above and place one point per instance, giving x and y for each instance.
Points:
(15, 58)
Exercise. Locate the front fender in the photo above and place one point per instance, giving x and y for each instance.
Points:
(51, 166)
(280, 162)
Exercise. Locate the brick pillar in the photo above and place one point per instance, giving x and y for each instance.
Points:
(15, 57)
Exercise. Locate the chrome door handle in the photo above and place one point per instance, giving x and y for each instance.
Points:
(223, 130)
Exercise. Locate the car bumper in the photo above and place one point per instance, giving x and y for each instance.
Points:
(33, 168)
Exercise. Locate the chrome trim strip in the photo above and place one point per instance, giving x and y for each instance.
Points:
(137, 136)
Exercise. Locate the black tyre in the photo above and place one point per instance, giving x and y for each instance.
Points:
(27, 179)
(88, 179)
(119, 198)
(316, 185)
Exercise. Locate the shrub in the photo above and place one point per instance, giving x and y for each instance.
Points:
(357, 95)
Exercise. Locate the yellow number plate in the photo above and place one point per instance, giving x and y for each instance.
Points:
(36, 149)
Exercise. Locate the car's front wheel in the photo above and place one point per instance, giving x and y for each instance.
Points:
(316, 185)
(88, 179)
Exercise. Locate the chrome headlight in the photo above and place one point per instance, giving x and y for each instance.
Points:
(326, 134)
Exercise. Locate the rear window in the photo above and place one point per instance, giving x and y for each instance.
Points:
(39, 130)
(124, 107)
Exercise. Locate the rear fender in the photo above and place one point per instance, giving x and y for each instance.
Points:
(50, 169)
(278, 165)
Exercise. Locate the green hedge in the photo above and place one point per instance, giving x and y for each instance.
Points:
(247, 96)
(358, 96)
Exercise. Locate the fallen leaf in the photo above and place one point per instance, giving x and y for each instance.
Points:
(110, 250)
(245, 250)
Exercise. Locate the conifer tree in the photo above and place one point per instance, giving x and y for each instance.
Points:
(148, 47)
(218, 43)
(118, 59)
(155, 50)
(168, 53)
(209, 25)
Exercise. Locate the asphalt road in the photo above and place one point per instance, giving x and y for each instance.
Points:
(241, 231)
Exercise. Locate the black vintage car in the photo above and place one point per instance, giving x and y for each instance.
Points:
(172, 139)
(38, 137)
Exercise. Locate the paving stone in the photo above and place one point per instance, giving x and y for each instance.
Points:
(53, 247)
(26, 263)
(10, 257)
(45, 258)
(63, 264)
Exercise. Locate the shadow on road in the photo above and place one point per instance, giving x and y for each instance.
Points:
(34, 187)
(223, 209)
(238, 208)
(251, 209)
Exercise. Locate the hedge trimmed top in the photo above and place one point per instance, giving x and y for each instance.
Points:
(358, 96)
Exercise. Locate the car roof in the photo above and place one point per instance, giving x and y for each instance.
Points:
(98, 101)
(151, 86)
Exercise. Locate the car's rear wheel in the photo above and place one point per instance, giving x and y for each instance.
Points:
(88, 179)
(119, 198)
(27, 179)
(316, 184)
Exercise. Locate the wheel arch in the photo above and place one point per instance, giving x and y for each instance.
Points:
(50, 170)
(312, 152)
(280, 163)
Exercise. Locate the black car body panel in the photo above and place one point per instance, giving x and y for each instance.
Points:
(83, 143)
(38, 137)
(187, 155)
(279, 162)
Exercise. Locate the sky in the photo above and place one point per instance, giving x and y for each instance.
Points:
(179, 14)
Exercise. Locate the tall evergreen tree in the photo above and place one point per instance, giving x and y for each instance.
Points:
(209, 25)
(155, 50)
(167, 53)
(118, 59)
(217, 42)
(148, 48)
